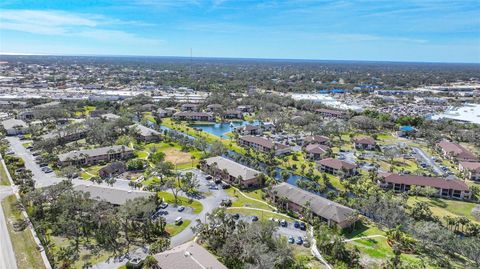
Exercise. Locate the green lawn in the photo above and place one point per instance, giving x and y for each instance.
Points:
(239, 200)
(260, 214)
(3, 176)
(443, 207)
(26, 144)
(173, 229)
(25, 248)
(174, 154)
(182, 201)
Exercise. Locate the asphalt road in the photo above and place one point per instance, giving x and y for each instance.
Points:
(428, 160)
(7, 255)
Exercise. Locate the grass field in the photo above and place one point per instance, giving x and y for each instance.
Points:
(239, 200)
(182, 201)
(25, 248)
(443, 207)
(3, 176)
(173, 229)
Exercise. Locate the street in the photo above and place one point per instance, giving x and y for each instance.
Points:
(7, 255)
(428, 160)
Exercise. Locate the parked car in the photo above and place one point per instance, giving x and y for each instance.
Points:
(43, 164)
(225, 186)
(163, 205)
(178, 221)
(47, 169)
(10, 152)
(306, 244)
(296, 224)
(30, 147)
(303, 227)
(213, 188)
(291, 240)
(208, 177)
(134, 263)
(236, 216)
(299, 240)
(254, 218)
(180, 209)
(283, 223)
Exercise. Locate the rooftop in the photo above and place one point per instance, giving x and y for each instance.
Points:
(188, 256)
(113, 196)
(233, 168)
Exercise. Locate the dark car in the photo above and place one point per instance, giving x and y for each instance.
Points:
(43, 164)
(236, 216)
(296, 224)
(303, 227)
(284, 223)
(299, 240)
(291, 240)
(208, 177)
(254, 218)
(225, 186)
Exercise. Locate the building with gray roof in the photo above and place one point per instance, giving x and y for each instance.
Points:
(111, 195)
(14, 126)
(232, 172)
(297, 200)
(93, 156)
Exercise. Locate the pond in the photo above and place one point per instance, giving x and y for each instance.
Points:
(220, 129)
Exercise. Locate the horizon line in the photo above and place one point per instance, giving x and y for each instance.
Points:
(227, 58)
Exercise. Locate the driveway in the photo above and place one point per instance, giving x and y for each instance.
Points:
(420, 154)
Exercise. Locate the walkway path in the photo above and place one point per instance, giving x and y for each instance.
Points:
(251, 198)
(364, 237)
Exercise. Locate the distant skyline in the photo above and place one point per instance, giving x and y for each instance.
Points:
(416, 31)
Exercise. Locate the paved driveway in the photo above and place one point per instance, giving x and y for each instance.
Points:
(422, 156)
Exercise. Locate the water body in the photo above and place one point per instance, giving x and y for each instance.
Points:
(220, 129)
(466, 113)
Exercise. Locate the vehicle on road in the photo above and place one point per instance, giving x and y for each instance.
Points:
(254, 218)
(299, 240)
(43, 165)
(180, 209)
(47, 169)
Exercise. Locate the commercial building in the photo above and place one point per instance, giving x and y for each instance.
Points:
(297, 200)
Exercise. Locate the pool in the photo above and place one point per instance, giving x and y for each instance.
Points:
(220, 129)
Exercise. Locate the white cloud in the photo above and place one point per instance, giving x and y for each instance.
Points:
(61, 23)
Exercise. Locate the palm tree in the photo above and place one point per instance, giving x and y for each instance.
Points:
(150, 262)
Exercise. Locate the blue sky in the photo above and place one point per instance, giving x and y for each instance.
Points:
(385, 30)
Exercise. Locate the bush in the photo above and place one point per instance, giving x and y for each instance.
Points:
(135, 165)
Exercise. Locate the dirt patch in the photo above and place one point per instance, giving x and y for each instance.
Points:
(176, 156)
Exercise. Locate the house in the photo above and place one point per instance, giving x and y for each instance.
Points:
(233, 114)
(329, 211)
(93, 156)
(249, 130)
(193, 116)
(366, 143)
(111, 195)
(14, 126)
(146, 134)
(214, 108)
(316, 151)
(112, 169)
(330, 113)
(189, 107)
(26, 115)
(337, 167)
(246, 108)
(189, 255)
(471, 170)
(164, 113)
(263, 145)
(232, 172)
(449, 188)
(456, 152)
(315, 139)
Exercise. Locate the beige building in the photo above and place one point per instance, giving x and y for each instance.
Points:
(93, 156)
(232, 172)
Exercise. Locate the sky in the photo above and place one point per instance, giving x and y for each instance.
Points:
(381, 30)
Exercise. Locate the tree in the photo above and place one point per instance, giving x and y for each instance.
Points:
(150, 262)
(162, 244)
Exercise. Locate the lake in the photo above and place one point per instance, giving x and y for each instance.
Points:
(220, 129)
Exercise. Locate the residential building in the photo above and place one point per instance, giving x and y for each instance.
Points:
(164, 113)
(330, 113)
(193, 116)
(471, 170)
(189, 255)
(26, 115)
(66, 135)
(456, 152)
(329, 211)
(246, 108)
(232, 172)
(337, 167)
(93, 156)
(365, 142)
(263, 144)
(214, 108)
(14, 126)
(146, 134)
(189, 107)
(233, 114)
(316, 151)
(111, 195)
(315, 139)
(449, 188)
(112, 169)
(249, 130)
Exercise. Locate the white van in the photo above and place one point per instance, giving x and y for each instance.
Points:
(178, 221)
